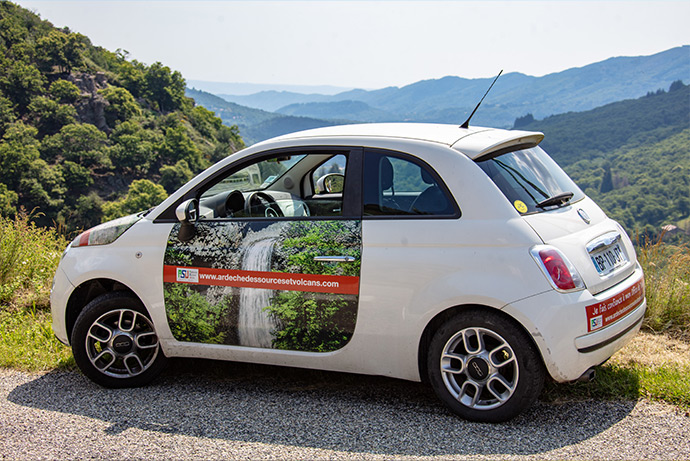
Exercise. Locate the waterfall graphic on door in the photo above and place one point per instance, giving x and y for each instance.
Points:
(258, 284)
(255, 325)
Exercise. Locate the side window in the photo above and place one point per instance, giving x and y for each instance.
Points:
(399, 186)
(329, 177)
(261, 189)
(294, 185)
(327, 183)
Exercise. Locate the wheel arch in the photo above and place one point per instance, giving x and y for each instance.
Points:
(440, 318)
(88, 291)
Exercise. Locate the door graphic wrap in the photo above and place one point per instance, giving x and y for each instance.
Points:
(257, 284)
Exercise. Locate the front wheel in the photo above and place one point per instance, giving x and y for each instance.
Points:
(115, 344)
(483, 367)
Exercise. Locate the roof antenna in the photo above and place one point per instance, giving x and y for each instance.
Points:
(467, 122)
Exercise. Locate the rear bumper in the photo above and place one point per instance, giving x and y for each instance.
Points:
(561, 327)
(599, 340)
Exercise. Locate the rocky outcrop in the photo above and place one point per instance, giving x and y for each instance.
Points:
(91, 106)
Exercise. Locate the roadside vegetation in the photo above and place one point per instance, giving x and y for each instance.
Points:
(667, 279)
(29, 256)
(656, 365)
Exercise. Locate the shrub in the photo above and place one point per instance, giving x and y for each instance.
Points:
(667, 279)
(29, 256)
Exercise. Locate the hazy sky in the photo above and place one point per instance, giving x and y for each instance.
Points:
(371, 44)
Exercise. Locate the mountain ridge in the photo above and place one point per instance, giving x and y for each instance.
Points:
(515, 94)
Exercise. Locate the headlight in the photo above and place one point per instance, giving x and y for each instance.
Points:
(105, 233)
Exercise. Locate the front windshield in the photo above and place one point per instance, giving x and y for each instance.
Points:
(528, 177)
(257, 176)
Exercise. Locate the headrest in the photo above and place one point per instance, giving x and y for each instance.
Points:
(386, 173)
(426, 177)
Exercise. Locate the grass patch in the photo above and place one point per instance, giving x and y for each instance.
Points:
(29, 256)
(656, 367)
(667, 282)
(27, 341)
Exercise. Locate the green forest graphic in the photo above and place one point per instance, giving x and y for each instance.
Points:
(292, 320)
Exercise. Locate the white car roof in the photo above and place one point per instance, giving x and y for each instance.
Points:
(473, 141)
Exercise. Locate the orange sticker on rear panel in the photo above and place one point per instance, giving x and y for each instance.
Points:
(614, 308)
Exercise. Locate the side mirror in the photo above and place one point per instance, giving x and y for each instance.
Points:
(187, 213)
(332, 183)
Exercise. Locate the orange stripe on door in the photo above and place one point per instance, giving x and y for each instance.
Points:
(288, 281)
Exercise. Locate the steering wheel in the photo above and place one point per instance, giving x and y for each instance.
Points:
(268, 203)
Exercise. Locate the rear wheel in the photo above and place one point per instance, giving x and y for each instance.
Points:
(483, 367)
(115, 344)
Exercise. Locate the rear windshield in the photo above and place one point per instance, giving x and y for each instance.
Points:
(529, 177)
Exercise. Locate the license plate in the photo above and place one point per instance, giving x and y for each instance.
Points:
(609, 258)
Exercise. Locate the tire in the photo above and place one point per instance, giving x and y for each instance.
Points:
(483, 367)
(115, 344)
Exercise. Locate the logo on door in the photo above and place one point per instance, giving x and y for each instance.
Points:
(187, 275)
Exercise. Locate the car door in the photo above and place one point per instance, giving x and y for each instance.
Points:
(273, 260)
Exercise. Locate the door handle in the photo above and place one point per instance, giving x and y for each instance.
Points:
(334, 259)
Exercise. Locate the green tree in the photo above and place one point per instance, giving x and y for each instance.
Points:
(142, 195)
(134, 149)
(173, 177)
(18, 149)
(81, 143)
(49, 116)
(7, 114)
(42, 189)
(178, 146)
(121, 105)
(77, 178)
(61, 51)
(8, 202)
(132, 76)
(12, 31)
(310, 321)
(164, 88)
(21, 82)
(205, 121)
(85, 213)
(64, 91)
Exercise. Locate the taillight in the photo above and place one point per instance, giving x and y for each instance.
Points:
(558, 269)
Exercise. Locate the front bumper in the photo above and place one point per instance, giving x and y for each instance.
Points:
(59, 295)
(562, 329)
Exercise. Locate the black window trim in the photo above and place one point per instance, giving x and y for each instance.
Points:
(421, 163)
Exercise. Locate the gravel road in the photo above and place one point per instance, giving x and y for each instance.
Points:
(201, 409)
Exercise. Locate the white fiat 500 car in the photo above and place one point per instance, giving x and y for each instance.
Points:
(461, 256)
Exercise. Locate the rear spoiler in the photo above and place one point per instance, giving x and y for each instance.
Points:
(486, 144)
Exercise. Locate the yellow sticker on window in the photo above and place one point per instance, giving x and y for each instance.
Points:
(520, 206)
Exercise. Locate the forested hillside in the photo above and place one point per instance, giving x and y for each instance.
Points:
(632, 157)
(87, 134)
